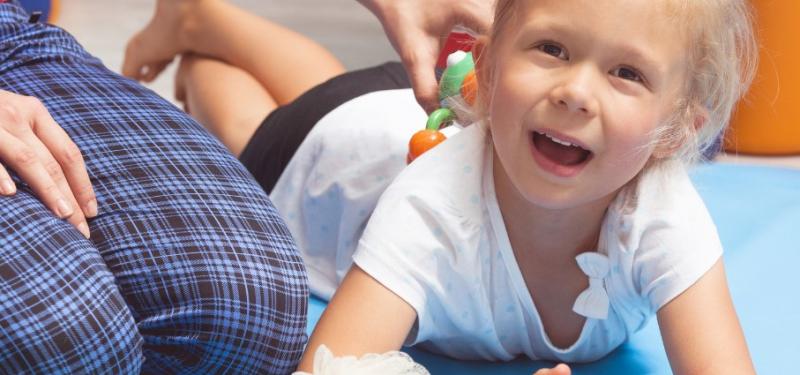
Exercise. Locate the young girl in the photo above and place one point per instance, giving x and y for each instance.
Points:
(554, 227)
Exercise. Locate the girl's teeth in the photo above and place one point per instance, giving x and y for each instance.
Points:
(556, 140)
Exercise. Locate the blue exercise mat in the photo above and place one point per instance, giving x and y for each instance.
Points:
(757, 212)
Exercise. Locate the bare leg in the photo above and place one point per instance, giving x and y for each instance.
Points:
(285, 63)
(228, 101)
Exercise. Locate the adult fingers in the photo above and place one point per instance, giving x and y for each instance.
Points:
(7, 186)
(69, 159)
(23, 159)
(420, 64)
(57, 176)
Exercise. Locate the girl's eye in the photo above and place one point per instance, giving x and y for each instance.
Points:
(553, 50)
(628, 73)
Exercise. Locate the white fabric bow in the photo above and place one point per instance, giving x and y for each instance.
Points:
(593, 302)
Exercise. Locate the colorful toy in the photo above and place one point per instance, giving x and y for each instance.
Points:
(457, 85)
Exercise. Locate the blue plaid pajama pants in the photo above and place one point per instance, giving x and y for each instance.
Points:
(189, 268)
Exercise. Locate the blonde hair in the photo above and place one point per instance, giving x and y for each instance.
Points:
(724, 55)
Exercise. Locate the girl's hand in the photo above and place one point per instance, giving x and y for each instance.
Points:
(417, 30)
(42, 154)
(560, 369)
(362, 317)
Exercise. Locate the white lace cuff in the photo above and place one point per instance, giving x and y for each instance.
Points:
(389, 363)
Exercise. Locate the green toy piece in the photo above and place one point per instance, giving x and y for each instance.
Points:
(453, 75)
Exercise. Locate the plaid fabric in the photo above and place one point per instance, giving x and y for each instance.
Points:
(189, 268)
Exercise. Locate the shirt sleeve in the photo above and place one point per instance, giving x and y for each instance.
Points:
(677, 246)
(406, 247)
(421, 240)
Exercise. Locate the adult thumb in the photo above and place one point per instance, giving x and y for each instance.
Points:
(423, 81)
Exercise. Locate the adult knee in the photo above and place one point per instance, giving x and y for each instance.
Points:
(235, 301)
(60, 310)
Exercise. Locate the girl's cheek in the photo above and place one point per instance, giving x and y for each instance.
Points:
(633, 138)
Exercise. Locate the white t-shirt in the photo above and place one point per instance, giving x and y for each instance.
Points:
(437, 238)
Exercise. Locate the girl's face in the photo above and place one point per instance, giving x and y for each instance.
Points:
(575, 89)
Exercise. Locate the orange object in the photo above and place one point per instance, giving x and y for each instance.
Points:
(469, 88)
(767, 122)
(422, 141)
(55, 9)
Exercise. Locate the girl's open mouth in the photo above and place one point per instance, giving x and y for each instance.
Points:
(558, 156)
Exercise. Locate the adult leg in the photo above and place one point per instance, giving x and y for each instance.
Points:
(284, 62)
(228, 101)
(60, 309)
(206, 267)
(233, 74)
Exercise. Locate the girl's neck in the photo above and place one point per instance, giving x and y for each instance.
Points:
(552, 236)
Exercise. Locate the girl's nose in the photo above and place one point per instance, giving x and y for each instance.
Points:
(575, 94)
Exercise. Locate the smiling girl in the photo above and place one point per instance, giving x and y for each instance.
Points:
(559, 225)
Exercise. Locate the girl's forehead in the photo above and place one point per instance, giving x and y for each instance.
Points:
(636, 26)
(642, 33)
(624, 16)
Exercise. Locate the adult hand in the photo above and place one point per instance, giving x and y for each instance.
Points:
(417, 29)
(42, 155)
(560, 369)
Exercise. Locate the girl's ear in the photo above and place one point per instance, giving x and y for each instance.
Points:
(700, 117)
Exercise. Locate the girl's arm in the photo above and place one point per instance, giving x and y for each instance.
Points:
(363, 317)
(700, 329)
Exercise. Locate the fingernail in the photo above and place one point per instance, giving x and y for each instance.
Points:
(90, 210)
(9, 187)
(63, 209)
(84, 229)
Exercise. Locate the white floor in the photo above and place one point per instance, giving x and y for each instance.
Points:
(343, 26)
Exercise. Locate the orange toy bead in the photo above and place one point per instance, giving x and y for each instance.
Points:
(422, 141)
(469, 88)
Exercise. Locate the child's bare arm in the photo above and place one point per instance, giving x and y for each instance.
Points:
(363, 317)
(700, 329)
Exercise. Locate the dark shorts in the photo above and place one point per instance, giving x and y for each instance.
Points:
(274, 143)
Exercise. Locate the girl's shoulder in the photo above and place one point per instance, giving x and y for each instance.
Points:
(435, 207)
(448, 177)
(657, 192)
(660, 237)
